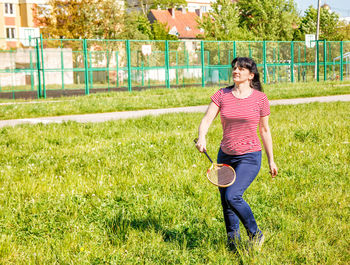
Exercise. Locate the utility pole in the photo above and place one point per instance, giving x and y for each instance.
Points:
(318, 19)
(317, 33)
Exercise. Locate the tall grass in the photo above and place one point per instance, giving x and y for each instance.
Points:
(157, 98)
(134, 192)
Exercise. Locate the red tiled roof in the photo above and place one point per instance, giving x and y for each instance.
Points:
(181, 21)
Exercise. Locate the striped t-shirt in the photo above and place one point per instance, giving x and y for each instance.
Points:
(240, 119)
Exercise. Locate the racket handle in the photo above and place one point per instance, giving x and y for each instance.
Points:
(205, 152)
(208, 157)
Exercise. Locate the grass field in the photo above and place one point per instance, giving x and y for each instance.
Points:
(156, 98)
(134, 192)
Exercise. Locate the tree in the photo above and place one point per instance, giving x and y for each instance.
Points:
(161, 32)
(165, 4)
(329, 25)
(105, 18)
(78, 19)
(344, 31)
(222, 23)
(269, 19)
(136, 26)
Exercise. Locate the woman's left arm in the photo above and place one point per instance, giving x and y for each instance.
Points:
(266, 137)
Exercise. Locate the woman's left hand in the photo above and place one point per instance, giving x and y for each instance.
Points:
(273, 169)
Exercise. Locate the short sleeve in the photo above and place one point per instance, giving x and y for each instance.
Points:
(265, 106)
(217, 98)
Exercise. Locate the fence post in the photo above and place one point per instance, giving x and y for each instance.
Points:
(86, 66)
(274, 62)
(219, 55)
(202, 63)
(317, 61)
(128, 63)
(91, 72)
(299, 60)
(143, 73)
(62, 67)
(234, 49)
(325, 60)
(117, 64)
(38, 66)
(108, 62)
(264, 60)
(42, 63)
(292, 61)
(167, 75)
(31, 72)
(177, 68)
(341, 60)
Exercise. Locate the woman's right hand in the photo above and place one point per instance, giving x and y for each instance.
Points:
(201, 145)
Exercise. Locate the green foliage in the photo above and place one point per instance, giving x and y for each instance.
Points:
(222, 23)
(135, 192)
(78, 19)
(250, 20)
(161, 32)
(268, 19)
(165, 4)
(137, 27)
(329, 25)
(105, 17)
(344, 31)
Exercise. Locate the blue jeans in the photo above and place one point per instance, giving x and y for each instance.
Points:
(247, 167)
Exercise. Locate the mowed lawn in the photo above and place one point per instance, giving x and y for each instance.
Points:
(135, 192)
(154, 99)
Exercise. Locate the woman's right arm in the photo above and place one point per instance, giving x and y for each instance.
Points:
(208, 118)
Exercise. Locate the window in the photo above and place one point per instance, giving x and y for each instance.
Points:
(9, 9)
(10, 33)
(43, 10)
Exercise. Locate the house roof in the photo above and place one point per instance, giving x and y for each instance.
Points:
(185, 24)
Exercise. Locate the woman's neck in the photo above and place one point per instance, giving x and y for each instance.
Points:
(242, 90)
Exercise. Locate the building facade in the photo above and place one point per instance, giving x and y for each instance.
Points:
(203, 5)
(16, 22)
(192, 5)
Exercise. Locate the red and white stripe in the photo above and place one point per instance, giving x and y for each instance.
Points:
(240, 119)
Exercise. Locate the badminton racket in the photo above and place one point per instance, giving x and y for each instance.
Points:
(220, 175)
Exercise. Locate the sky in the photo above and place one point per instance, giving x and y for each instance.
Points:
(342, 7)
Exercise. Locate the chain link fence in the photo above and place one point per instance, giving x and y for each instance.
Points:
(51, 67)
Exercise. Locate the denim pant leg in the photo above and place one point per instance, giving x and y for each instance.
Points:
(231, 220)
(235, 208)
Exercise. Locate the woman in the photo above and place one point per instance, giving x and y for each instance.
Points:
(242, 108)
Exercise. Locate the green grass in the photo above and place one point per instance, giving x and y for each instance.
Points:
(135, 192)
(156, 98)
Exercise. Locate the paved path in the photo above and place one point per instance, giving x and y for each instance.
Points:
(102, 117)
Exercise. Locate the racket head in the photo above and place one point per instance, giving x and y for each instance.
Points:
(221, 175)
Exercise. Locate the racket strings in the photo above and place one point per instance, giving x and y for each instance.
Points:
(222, 175)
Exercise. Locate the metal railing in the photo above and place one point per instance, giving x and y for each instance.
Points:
(55, 67)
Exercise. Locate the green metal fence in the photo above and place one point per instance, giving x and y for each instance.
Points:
(52, 67)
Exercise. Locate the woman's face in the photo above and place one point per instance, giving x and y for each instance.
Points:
(241, 75)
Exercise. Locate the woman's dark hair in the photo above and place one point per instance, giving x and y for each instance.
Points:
(249, 64)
